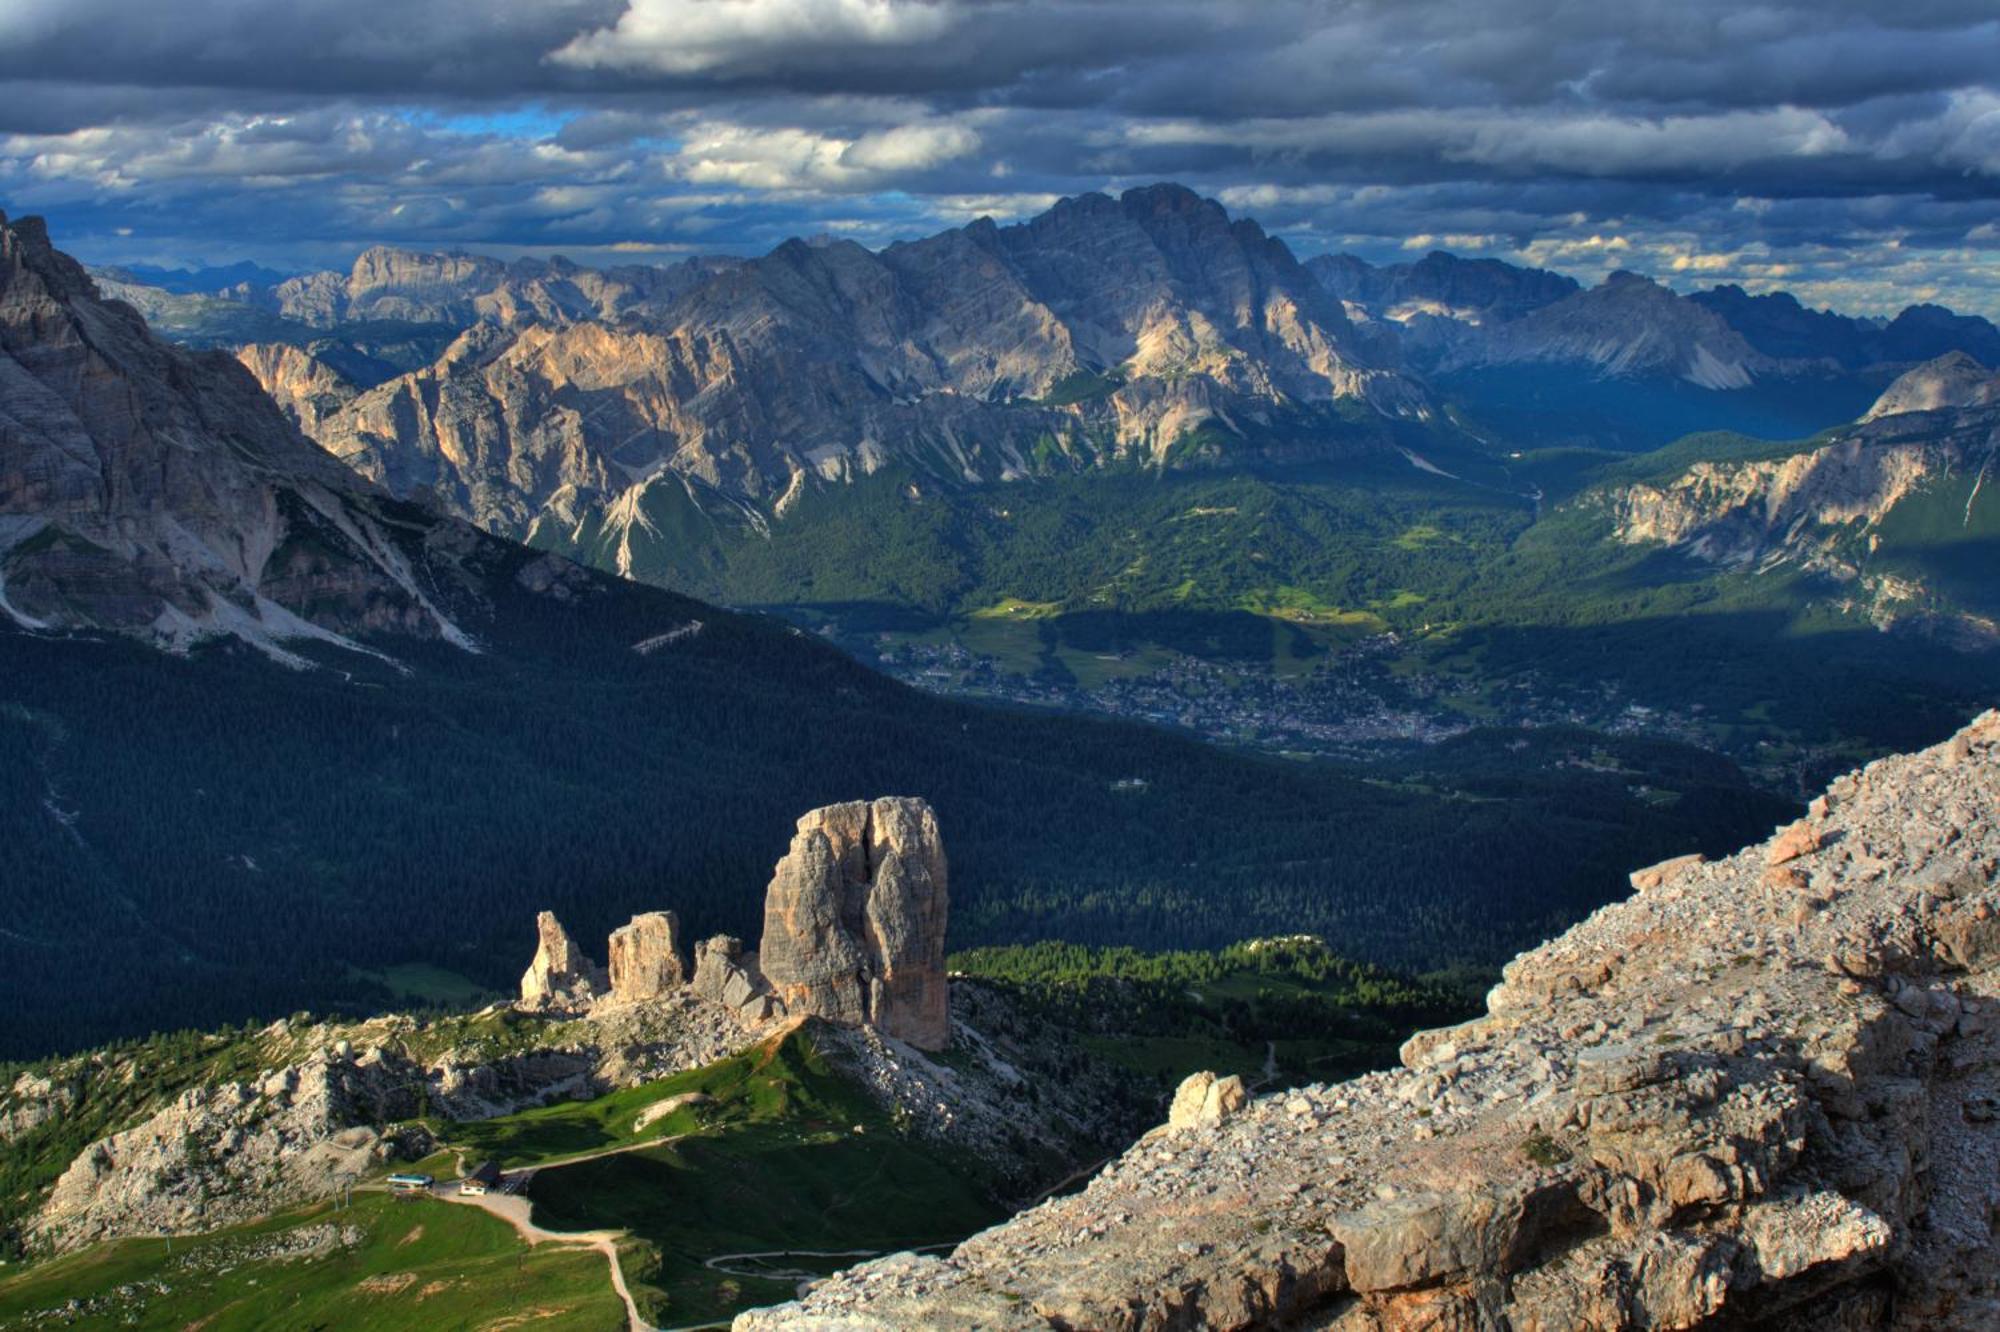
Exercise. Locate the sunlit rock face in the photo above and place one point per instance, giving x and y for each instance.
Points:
(645, 957)
(560, 974)
(1952, 380)
(854, 920)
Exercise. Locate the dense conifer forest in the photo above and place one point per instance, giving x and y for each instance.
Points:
(212, 838)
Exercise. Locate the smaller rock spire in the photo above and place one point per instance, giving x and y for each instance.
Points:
(645, 957)
(561, 975)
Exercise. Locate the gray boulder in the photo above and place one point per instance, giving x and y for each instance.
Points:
(726, 975)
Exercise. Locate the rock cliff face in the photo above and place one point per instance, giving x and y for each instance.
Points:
(560, 974)
(854, 920)
(156, 491)
(306, 389)
(1763, 1092)
(645, 959)
(1839, 510)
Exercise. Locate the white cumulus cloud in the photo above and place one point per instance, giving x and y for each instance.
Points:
(751, 36)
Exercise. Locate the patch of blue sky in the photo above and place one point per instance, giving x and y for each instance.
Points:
(533, 122)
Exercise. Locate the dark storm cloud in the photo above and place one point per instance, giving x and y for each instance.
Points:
(1850, 147)
(388, 47)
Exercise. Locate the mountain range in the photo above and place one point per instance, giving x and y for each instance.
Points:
(1437, 299)
(1146, 329)
(270, 735)
(1048, 461)
(612, 412)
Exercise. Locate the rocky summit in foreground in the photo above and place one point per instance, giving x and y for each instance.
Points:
(1762, 1092)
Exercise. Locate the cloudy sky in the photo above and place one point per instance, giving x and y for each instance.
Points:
(1846, 149)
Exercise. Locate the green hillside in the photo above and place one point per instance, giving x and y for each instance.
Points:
(1499, 594)
(379, 1265)
(784, 1155)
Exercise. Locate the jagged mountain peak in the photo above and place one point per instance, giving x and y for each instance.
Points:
(28, 253)
(152, 490)
(1441, 286)
(1922, 332)
(1625, 277)
(1629, 325)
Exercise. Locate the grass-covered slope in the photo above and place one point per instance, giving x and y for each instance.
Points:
(379, 1264)
(785, 1156)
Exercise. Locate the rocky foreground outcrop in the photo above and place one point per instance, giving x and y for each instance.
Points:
(854, 920)
(1761, 1092)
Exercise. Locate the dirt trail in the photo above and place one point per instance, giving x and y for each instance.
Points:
(517, 1212)
(595, 1154)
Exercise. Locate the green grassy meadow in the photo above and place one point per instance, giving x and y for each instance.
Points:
(778, 1152)
(413, 1265)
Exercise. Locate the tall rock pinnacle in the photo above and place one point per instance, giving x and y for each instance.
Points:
(854, 920)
